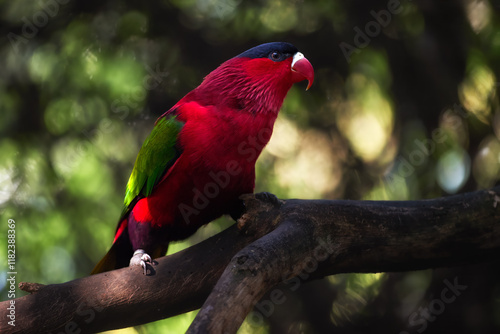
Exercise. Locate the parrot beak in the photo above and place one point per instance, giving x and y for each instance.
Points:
(302, 69)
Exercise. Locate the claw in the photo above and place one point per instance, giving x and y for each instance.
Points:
(141, 258)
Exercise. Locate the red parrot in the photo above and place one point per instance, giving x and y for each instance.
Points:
(200, 156)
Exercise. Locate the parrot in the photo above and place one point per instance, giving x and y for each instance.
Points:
(200, 155)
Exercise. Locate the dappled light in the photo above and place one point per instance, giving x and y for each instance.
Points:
(453, 169)
(360, 290)
(478, 89)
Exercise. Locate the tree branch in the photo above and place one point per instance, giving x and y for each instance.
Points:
(319, 238)
(277, 241)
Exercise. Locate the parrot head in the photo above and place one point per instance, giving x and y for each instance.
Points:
(279, 60)
(256, 80)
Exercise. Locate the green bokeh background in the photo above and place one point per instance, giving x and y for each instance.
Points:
(404, 106)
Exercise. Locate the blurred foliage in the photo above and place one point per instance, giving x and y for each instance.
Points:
(404, 111)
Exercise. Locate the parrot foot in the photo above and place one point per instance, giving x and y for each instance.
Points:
(141, 258)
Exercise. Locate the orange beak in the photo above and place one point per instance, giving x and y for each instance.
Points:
(302, 69)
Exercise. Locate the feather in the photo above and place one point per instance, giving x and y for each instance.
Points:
(158, 153)
(200, 156)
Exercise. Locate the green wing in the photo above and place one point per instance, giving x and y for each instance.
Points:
(158, 153)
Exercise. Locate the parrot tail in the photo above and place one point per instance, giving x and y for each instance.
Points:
(120, 252)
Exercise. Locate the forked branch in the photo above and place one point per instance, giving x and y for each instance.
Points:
(275, 241)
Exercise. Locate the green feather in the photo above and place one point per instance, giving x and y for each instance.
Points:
(158, 153)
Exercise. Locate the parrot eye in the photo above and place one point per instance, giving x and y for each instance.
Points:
(275, 55)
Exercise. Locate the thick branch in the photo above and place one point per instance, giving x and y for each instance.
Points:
(314, 237)
(319, 238)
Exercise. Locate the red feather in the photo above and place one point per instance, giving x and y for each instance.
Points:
(228, 120)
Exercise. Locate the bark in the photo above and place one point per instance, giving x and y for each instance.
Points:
(275, 241)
